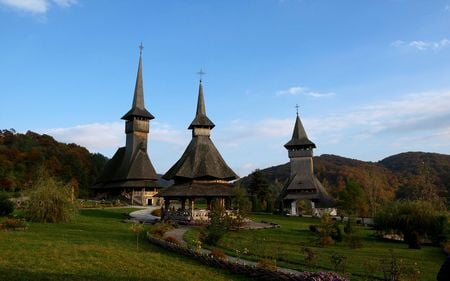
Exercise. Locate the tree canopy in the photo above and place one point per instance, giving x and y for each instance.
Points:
(23, 156)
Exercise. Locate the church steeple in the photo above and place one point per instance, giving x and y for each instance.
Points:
(138, 107)
(299, 140)
(201, 120)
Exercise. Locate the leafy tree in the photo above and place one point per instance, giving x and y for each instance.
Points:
(414, 220)
(263, 197)
(353, 200)
(50, 201)
(240, 204)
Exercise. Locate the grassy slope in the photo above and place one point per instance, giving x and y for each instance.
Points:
(284, 245)
(94, 246)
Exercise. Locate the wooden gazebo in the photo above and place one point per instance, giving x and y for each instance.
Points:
(201, 172)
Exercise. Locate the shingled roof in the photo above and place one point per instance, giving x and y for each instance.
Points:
(300, 187)
(133, 172)
(138, 108)
(299, 138)
(201, 159)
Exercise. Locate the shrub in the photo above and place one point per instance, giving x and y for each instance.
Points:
(13, 224)
(339, 262)
(313, 228)
(156, 212)
(6, 206)
(311, 256)
(354, 240)
(213, 235)
(218, 225)
(50, 202)
(414, 220)
(218, 254)
(172, 240)
(267, 264)
(336, 232)
(158, 230)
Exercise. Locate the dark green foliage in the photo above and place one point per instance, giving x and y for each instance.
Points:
(22, 156)
(262, 195)
(414, 220)
(353, 200)
(313, 228)
(6, 206)
(240, 206)
(336, 233)
(339, 262)
(50, 202)
(218, 224)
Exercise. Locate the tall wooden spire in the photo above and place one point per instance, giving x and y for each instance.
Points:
(201, 120)
(138, 107)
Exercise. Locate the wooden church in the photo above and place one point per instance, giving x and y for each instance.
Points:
(130, 172)
(303, 186)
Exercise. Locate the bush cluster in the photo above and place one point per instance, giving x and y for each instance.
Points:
(158, 230)
(415, 220)
(50, 202)
(13, 224)
(6, 206)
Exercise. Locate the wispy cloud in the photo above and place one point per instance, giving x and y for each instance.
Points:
(426, 114)
(297, 90)
(36, 6)
(422, 45)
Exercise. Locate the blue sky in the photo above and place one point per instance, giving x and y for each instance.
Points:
(372, 78)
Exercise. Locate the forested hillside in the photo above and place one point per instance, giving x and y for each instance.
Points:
(412, 175)
(24, 156)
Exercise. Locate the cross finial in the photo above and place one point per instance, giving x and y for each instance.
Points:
(201, 73)
(296, 106)
(140, 48)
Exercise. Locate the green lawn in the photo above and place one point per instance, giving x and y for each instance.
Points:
(96, 245)
(284, 244)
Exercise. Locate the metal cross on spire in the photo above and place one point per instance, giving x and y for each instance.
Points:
(296, 106)
(140, 48)
(201, 73)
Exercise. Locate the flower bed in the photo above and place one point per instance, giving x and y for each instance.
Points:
(255, 272)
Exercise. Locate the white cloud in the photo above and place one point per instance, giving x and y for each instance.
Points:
(31, 6)
(422, 45)
(106, 137)
(297, 90)
(36, 6)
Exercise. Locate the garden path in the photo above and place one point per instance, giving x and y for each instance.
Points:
(145, 215)
(179, 232)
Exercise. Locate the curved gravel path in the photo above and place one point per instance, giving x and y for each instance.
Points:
(145, 215)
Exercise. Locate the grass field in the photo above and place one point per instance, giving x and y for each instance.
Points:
(96, 245)
(284, 245)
